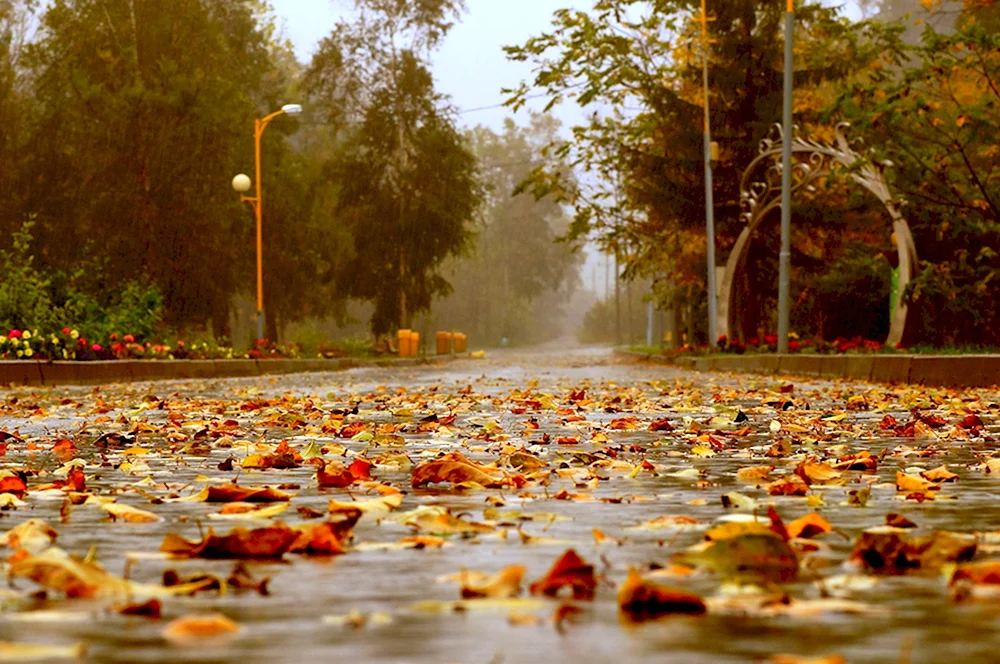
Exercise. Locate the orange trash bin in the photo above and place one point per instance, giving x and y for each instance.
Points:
(414, 344)
(459, 342)
(403, 338)
(443, 343)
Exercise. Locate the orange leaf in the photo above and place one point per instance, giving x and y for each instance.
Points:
(640, 600)
(13, 484)
(504, 584)
(329, 538)
(334, 474)
(570, 570)
(198, 627)
(807, 526)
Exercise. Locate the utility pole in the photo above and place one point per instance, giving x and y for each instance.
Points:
(709, 203)
(784, 258)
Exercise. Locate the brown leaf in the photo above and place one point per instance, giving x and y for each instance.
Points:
(898, 521)
(232, 493)
(787, 486)
(570, 570)
(888, 551)
(455, 468)
(267, 542)
(640, 600)
(150, 609)
(986, 571)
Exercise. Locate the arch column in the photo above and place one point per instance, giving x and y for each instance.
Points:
(760, 194)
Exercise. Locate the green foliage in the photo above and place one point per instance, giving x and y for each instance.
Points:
(25, 301)
(407, 187)
(938, 122)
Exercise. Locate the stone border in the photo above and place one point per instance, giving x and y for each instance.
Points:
(27, 372)
(930, 370)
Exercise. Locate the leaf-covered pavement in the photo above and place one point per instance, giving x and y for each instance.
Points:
(524, 508)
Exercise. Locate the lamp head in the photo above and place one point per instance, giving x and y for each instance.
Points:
(292, 109)
(241, 183)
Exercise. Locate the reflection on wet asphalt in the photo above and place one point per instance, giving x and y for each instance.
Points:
(916, 613)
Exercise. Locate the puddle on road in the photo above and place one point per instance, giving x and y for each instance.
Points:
(915, 613)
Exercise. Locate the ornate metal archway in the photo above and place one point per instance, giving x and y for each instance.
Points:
(761, 193)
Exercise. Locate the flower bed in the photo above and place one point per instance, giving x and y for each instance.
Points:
(69, 344)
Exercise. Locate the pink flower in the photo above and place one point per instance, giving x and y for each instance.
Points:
(14, 334)
(96, 348)
(128, 338)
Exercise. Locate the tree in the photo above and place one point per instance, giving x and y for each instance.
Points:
(515, 261)
(407, 181)
(937, 122)
(642, 195)
(141, 118)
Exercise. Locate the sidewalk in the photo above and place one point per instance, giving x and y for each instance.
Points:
(27, 372)
(934, 370)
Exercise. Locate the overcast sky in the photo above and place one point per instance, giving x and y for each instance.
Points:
(470, 66)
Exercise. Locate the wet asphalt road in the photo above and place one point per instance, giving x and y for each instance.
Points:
(912, 614)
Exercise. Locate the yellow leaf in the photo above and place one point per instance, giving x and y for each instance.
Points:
(128, 513)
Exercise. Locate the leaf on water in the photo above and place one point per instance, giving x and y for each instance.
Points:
(984, 572)
(939, 474)
(437, 520)
(129, 514)
(799, 659)
(381, 505)
(506, 583)
(751, 557)
(327, 538)
(199, 628)
(354, 619)
(268, 542)
(33, 536)
(914, 484)
(249, 511)
(455, 468)
(568, 571)
(814, 472)
(890, 551)
(640, 600)
(788, 486)
(231, 493)
(753, 474)
(807, 526)
(19, 651)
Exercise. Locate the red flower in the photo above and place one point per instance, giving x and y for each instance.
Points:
(771, 339)
(128, 338)
(793, 345)
(66, 330)
(113, 336)
(14, 334)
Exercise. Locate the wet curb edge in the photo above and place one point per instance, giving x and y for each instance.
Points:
(931, 370)
(26, 372)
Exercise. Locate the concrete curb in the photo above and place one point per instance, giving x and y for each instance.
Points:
(28, 372)
(930, 370)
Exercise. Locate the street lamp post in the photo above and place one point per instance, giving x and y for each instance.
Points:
(241, 183)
